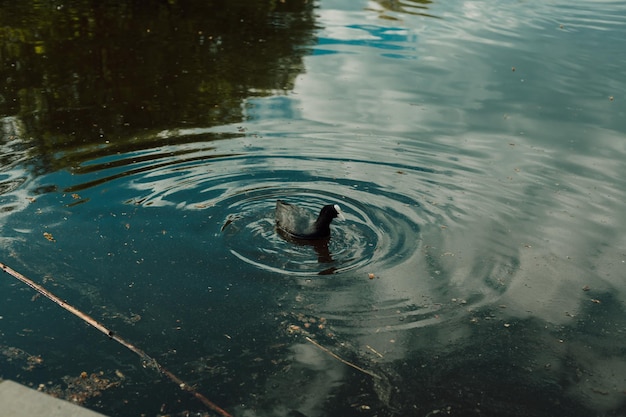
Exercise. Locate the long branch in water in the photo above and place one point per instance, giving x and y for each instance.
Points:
(146, 359)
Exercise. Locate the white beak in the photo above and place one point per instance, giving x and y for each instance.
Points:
(340, 215)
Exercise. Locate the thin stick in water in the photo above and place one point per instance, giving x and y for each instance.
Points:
(340, 359)
(147, 360)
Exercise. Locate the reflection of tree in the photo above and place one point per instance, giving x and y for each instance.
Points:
(92, 70)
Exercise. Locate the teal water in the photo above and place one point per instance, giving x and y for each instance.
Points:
(476, 149)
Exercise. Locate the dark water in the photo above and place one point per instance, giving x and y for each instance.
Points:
(476, 150)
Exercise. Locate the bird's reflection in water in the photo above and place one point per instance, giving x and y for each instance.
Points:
(319, 245)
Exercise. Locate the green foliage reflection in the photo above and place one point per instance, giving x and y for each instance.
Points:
(89, 71)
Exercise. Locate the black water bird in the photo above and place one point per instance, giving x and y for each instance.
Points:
(298, 223)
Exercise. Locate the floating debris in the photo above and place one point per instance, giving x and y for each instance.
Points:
(49, 236)
(374, 351)
(102, 383)
(229, 220)
(30, 362)
(80, 388)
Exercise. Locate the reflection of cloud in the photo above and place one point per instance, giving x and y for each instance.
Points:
(539, 214)
(396, 78)
(460, 79)
(345, 33)
(303, 388)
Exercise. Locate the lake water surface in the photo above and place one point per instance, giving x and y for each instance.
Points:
(476, 148)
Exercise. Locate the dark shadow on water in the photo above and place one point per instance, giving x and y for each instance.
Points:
(319, 245)
(138, 68)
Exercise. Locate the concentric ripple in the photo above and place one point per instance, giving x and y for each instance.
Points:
(403, 200)
(238, 190)
(364, 237)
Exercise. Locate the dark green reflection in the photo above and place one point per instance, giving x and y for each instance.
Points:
(86, 72)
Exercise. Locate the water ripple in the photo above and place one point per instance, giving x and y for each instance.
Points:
(383, 216)
(383, 268)
(369, 234)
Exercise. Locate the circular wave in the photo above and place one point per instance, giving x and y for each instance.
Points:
(384, 213)
(369, 233)
(400, 216)
(387, 201)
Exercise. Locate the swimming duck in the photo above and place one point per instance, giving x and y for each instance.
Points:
(299, 223)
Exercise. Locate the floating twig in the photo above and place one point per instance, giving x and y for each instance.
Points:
(340, 359)
(146, 359)
(374, 351)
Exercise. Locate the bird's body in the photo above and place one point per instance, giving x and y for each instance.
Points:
(299, 223)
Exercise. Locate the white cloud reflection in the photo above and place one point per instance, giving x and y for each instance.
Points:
(541, 201)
